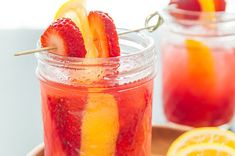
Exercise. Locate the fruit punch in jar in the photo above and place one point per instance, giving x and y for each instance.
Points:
(96, 94)
(198, 66)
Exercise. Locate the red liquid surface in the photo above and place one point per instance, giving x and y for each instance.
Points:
(198, 100)
(64, 106)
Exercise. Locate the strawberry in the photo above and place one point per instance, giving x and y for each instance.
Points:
(66, 37)
(66, 116)
(104, 34)
(132, 121)
(194, 5)
(190, 5)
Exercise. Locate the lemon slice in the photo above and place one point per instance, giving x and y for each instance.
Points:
(76, 10)
(207, 149)
(202, 135)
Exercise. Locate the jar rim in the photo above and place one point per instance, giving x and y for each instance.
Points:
(219, 16)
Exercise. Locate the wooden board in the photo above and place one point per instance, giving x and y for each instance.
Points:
(162, 137)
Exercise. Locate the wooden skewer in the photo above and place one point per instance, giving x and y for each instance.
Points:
(26, 52)
(147, 27)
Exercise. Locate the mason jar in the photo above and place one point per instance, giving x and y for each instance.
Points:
(99, 106)
(198, 62)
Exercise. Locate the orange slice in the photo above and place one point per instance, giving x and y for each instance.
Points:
(75, 10)
(201, 65)
(100, 125)
(207, 5)
(207, 149)
(202, 136)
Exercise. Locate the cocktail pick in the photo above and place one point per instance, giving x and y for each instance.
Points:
(150, 28)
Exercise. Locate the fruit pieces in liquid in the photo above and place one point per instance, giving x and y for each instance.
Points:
(64, 106)
(192, 100)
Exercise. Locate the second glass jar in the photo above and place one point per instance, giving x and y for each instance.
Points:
(198, 55)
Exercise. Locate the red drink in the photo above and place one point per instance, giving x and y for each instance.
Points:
(202, 95)
(64, 107)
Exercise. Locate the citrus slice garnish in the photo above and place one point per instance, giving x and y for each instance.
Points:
(207, 5)
(201, 66)
(100, 125)
(206, 149)
(202, 136)
(76, 10)
(101, 114)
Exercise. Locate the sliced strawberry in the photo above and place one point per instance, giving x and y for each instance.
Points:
(104, 34)
(66, 115)
(194, 5)
(66, 37)
(133, 121)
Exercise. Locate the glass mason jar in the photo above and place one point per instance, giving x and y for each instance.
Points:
(198, 60)
(99, 106)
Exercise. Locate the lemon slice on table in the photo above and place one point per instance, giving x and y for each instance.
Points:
(201, 136)
(207, 149)
(76, 11)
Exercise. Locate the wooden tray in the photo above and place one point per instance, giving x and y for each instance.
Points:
(162, 137)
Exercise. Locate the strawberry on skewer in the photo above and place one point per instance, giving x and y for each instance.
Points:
(104, 34)
(68, 40)
(66, 37)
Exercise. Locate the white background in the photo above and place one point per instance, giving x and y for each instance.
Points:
(39, 13)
